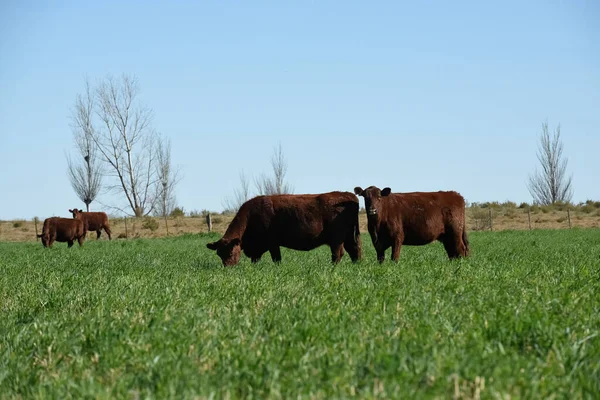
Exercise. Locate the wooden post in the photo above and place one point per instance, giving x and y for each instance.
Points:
(167, 224)
(125, 219)
(209, 222)
(529, 217)
(569, 217)
(491, 226)
(35, 220)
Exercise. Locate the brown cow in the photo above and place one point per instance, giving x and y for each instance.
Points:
(93, 221)
(299, 222)
(62, 230)
(415, 219)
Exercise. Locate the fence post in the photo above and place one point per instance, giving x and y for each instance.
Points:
(529, 217)
(209, 222)
(35, 221)
(569, 217)
(491, 226)
(125, 219)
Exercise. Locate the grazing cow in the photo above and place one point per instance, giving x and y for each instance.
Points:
(62, 230)
(296, 221)
(415, 219)
(93, 221)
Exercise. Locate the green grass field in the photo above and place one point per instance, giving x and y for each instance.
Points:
(161, 318)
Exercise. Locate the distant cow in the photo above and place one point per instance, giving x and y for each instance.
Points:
(415, 219)
(299, 222)
(62, 230)
(93, 221)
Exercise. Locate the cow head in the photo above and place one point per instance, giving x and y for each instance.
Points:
(76, 213)
(372, 196)
(229, 250)
(44, 238)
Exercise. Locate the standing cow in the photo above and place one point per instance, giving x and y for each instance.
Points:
(62, 230)
(415, 219)
(93, 221)
(299, 222)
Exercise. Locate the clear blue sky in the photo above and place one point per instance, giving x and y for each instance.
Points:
(416, 96)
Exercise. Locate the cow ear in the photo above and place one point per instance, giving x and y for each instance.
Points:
(386, 191)
(358, 191)
(213, 245)
(71, 211)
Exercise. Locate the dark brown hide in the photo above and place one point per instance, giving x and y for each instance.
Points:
(62, 230)
(299, 222)
(93, 221)
(415, 219)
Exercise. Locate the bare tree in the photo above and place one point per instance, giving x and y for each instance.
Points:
(85, 174)
(240, 196)
(167, 179)
(127, 143)
(276, 184)
(551, 184)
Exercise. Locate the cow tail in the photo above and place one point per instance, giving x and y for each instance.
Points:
(357, 226)
(466, 241)
(465, 237)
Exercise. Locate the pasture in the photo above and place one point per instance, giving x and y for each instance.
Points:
(161, 318)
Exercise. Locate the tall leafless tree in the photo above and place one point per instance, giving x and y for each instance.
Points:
(85, 173)
(267, 185)
(240, 196)
(551, 184)
(127, 143)
(168, 177)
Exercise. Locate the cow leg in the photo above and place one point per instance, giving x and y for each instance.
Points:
(354, 248)
(80, 240)
(380, 254)
(451, 245)
(459, 248)
(396, 246)
(107, 230)
(275, 254)
(337, 251)
(70, 243)
(255, 259)
(98, 233)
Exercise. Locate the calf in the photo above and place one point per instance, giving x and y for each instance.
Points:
(93, 221)
(62, 230)
(415, 219)
(299, 222)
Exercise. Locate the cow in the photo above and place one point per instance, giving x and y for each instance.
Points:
(62, 230)
(93, 221)
(415, 219)
(295, 221)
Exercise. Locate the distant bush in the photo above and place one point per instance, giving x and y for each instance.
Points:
(481, 217)
(150, 223)
(523, 205)
(509, 204)
(17, 224)
(177, 212)
(562, 206)
(586, 208)
(179, 222)
(195, 214)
